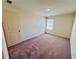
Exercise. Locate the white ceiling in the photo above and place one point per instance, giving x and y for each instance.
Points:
(57, 7)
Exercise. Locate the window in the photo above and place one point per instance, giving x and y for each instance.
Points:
(50, 24)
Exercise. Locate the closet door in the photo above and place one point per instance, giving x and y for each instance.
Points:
(11, 24)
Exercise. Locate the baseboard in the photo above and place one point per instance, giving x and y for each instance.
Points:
(26, 39)
(57, 36)
(32, 36)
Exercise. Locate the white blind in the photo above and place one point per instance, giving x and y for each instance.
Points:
(50, 24)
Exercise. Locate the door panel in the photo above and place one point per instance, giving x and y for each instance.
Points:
(11, 24)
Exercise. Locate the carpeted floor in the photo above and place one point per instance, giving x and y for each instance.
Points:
(41, 47)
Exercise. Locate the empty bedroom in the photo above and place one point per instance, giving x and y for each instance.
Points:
(39, 29)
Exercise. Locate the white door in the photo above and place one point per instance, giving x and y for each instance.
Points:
(11, 24)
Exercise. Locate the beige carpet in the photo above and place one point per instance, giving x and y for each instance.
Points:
(44, 46)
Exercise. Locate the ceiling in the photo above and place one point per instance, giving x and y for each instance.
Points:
(40, 7)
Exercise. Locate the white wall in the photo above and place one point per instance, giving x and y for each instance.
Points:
(14, 19)
(73, 42)
(62, 25)
(31, 25)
